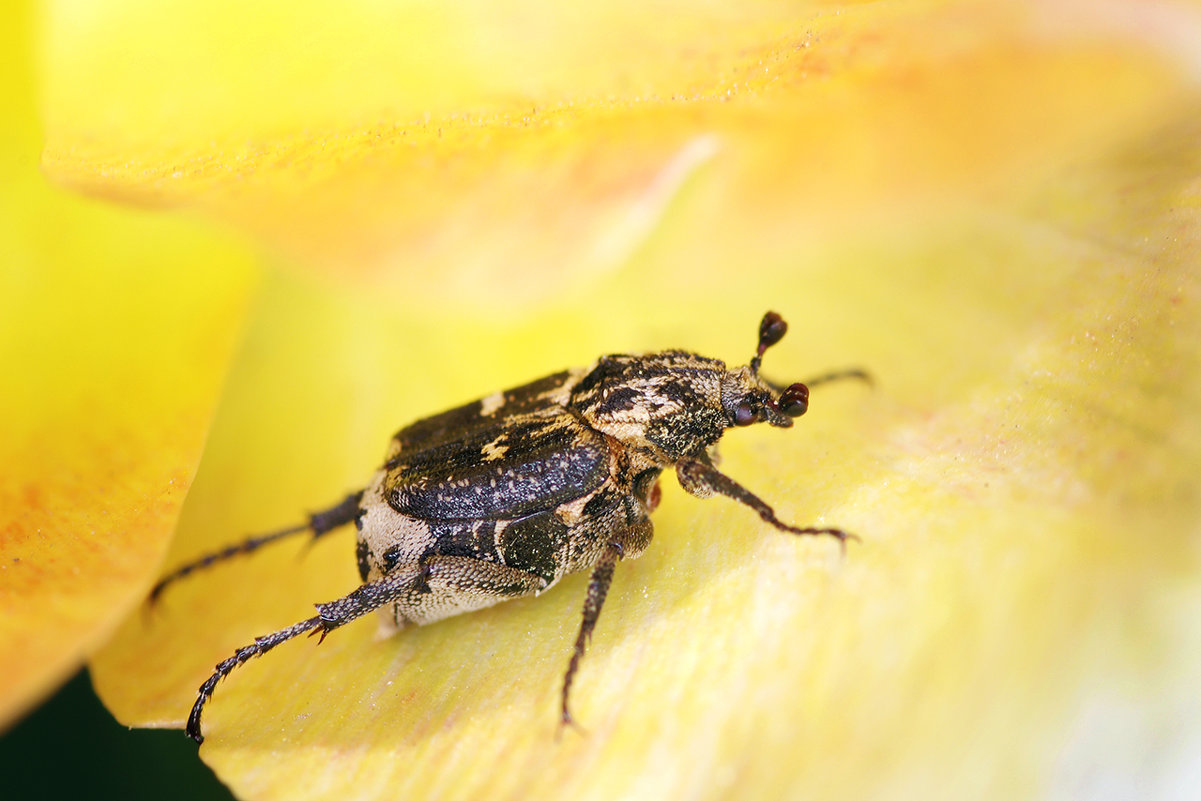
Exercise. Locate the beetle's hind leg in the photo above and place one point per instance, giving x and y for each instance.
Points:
(634, 541)
(319, 523)
(260, 646)
(598, 588)
(463, 584)
(330, 616)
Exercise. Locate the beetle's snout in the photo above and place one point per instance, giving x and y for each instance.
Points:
(759, 405)
(793, 402)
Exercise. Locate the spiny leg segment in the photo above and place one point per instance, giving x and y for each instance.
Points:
(598, 588)
(319, 523)
(330, 616)
(261, 646)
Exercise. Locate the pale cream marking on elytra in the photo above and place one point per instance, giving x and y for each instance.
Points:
(571, 513)
(490, 403)
(560, 395)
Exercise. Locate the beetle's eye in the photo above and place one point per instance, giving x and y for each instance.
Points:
(794, 401)
(744, 414)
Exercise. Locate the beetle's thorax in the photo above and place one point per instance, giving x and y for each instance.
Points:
(668, 405)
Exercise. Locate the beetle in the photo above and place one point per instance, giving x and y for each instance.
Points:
(504, 496)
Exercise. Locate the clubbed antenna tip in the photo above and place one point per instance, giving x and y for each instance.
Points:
(772, 329)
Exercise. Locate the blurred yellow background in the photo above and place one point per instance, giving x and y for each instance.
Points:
(306, 227)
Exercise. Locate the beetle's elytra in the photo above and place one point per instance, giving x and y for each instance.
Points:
(504, 496)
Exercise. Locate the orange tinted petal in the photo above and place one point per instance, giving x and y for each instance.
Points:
(115, 331)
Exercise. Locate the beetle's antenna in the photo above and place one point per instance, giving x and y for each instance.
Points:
(772, 329)
(319, 523)
(793, 399)
(838, 375)
(825, 378)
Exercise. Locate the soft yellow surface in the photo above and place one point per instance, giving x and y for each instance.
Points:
(115, 332)
(991, 206)
(472, 177)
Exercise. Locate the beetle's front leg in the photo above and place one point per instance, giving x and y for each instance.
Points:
(700, 478)
(634, 539)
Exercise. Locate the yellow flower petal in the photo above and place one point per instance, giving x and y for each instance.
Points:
(995, 213)
(115, 331)
(488, 182)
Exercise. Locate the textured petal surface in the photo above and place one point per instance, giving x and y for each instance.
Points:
(995, 208)
(115, 332)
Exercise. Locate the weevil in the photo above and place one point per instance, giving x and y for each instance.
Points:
(504, 496)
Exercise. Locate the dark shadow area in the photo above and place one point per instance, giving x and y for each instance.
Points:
(72, 748)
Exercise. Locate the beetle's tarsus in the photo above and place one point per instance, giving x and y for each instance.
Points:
(244, 654)
(566, 721)
(332, 615)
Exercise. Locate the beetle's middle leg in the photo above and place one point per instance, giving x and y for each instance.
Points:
(699, 477)
(635, 540)
(319, 523)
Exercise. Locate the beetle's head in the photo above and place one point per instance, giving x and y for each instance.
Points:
(748, 398)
